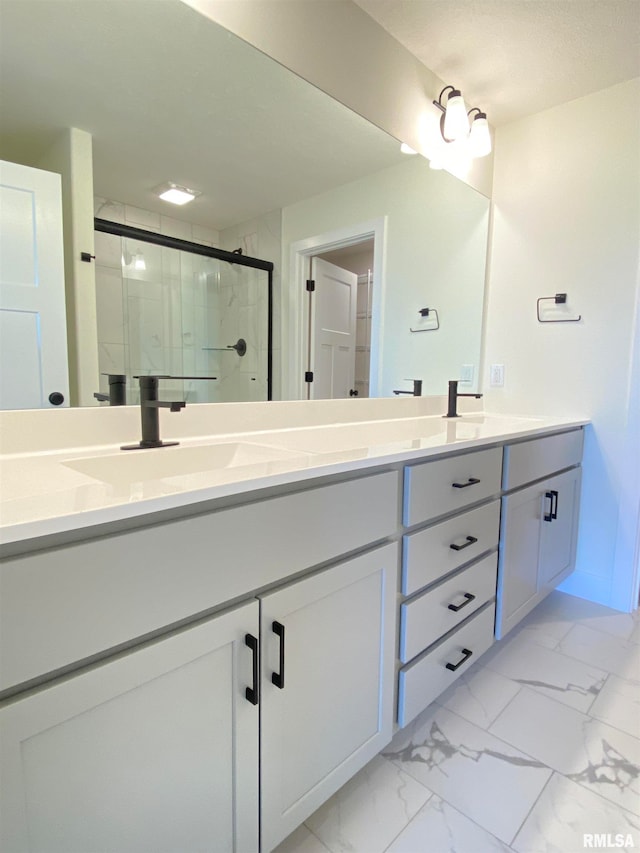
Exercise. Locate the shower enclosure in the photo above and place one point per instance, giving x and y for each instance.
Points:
(173, 308)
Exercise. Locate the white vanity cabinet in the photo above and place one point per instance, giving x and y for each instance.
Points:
(539, 525)
(165, 747)
(448, 572)
(328, 654)
(207, 679)
(155, 750)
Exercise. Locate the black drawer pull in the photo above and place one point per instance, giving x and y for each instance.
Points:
(466, 654)
(470, 540)
(470, 482)
(469, 597)
(278, 677)
(252, 694)
(553, 508)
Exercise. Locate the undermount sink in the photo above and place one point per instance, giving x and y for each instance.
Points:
(400, 434)
(162, 463)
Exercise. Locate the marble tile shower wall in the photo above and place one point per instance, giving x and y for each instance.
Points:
(243, 305)
(164, 318)
(261, 237)
(147, 320)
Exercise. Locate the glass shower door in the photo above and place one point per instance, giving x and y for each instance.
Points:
(236, 331)
(185, 314)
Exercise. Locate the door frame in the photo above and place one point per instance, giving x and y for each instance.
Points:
(297, 338)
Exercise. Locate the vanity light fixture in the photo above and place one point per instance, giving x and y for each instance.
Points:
(479, 136)
(469, 132)
(454, 122)
(407, 149)
(176, 194)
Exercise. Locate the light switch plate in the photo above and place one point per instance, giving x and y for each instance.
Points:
(466, 374)
(496, 375)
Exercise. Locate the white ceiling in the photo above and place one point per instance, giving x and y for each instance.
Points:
(517, 57)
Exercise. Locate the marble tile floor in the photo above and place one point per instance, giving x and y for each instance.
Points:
(536, 749)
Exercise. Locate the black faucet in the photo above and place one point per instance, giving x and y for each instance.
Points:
(117, 395)
(452, 410)
(417, 389)
(149, 405)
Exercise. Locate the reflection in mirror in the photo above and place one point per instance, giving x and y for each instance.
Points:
(166, 307)
(277, 163)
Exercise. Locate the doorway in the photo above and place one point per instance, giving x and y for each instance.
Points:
(322, 354)
(355, 263)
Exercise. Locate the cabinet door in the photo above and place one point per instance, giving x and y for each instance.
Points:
(519, 553)
(156, 750)
(331, 710)
(559, 528)
(538, 533)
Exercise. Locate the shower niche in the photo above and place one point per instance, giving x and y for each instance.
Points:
(174, 308)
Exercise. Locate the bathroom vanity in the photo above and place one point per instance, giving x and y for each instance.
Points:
(199, 657)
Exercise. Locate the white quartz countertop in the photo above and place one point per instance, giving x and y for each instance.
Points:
(67, 489)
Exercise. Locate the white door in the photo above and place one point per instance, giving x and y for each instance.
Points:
(155, 751)
(33, 330)
(328, 652)
(332, 346)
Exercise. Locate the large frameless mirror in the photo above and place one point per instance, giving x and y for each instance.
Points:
(286, 175)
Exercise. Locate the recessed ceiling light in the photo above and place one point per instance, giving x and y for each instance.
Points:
(176, 194)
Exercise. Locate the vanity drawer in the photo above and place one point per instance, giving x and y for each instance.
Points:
(426, 678)
(429, 554)
(425, 619)
(432, 489)
(527, 461)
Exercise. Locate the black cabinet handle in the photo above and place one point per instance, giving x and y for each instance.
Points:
(466, 654)
(278, 677)
(553, 507)
(468, 599)
(252, 694)
(470, 482)
(470, 540)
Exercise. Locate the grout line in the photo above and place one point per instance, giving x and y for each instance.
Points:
(591, 704)
(501, 712)
(634, 816)
(526, 818)
(395, 838)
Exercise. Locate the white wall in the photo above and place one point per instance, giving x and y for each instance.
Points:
(340, 49)
(436, 239)
(72, 156)
(567, 219)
